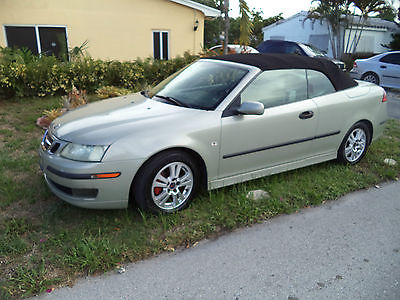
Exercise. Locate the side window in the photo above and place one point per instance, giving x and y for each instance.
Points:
(277, 87)
(292, 49)
(391, 59)
(318, 84)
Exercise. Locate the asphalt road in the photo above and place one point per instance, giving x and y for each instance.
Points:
(394, 103)
(345, 249)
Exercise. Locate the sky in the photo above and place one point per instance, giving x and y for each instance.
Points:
(274, 7)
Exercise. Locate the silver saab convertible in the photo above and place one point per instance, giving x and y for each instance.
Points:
(217, 122)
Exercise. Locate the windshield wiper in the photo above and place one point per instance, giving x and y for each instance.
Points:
(173, 101)
(145, 93)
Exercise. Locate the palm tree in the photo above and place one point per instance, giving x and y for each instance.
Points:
(366, 7)
(336, 13)
(332, 12)
(246, 26)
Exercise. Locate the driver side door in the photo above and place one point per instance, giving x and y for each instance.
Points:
(283, 134)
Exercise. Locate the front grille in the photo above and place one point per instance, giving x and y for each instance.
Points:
(54, 147)
(49, 143)
(80, 193)
(341, 66)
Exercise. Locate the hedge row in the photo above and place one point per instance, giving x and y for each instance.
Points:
(49, 76)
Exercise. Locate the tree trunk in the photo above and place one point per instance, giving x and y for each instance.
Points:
(227, 25)
(347, 49)
(359, 36)
(333, 44)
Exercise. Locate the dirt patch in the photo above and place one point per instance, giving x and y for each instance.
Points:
(19, 177)
(7, 127)
(22, 209)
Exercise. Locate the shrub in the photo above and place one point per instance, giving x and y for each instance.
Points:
(23, 75)
(111, 91)
(349, 59)
(124, 74)
(74, 99)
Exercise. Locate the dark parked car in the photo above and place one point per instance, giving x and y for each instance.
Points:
(289, 47)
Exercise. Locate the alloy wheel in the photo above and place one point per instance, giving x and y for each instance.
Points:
(172, 186)
(355, 145)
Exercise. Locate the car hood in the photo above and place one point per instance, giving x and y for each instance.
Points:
(104, 122)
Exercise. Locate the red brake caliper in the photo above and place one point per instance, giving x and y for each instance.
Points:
(157, 191)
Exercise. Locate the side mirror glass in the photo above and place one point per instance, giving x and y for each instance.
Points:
(251, 108)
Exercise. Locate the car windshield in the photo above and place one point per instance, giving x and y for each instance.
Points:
(202, 85)
(312, 51)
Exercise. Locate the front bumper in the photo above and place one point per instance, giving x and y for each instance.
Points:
(66, 179)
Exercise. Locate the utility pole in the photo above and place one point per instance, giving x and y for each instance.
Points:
(227, 25)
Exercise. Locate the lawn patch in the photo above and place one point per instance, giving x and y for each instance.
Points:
(45, 242)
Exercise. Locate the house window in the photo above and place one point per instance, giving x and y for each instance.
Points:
(48, 40)
(22, 36)
(160, 44)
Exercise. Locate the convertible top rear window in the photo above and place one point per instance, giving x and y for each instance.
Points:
(267, 61)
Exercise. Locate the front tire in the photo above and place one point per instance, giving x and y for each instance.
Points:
(167, 183)
(355, 144)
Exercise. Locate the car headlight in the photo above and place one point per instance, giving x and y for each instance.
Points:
(84, 152)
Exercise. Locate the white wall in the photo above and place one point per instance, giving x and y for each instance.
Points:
(297, 30)
(371, 40)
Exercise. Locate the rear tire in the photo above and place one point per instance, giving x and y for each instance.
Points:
(167, 183)
(370, 77)
(355, 144)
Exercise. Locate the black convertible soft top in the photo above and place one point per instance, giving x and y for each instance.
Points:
(268, 61)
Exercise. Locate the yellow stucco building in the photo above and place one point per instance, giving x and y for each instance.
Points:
(114, 29)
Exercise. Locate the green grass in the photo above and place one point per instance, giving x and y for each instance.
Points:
(46, 243)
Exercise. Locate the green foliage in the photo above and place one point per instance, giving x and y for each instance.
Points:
(78, 52)
(388, 13)
(346, 13)
(24, 76)
(212, 32)
(395, 43)
(111, 91)
(246, 25)
(259, 23)
(20, 55)
(213, 28)
(92, 253)
(12, 240)
(31, 280)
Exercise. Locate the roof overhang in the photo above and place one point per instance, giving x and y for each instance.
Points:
(206, 10)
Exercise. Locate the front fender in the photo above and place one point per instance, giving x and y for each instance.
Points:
(201, 135)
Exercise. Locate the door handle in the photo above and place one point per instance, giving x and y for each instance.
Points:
(306, 114)
(383, 67)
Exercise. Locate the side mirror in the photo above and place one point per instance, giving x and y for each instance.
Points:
(251, 108)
